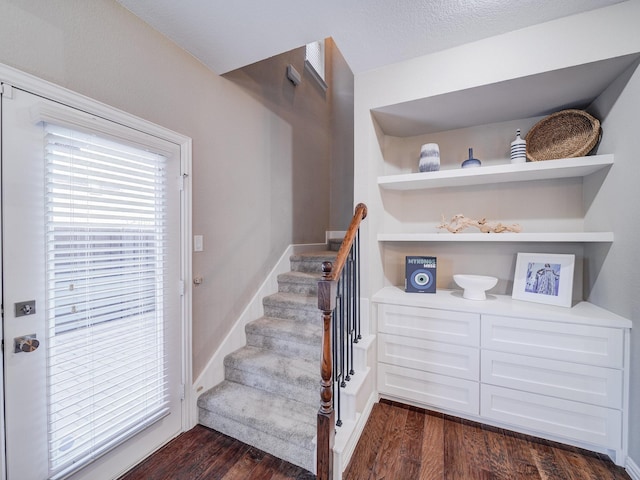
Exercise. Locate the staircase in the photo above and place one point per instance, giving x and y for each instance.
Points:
(270, 396)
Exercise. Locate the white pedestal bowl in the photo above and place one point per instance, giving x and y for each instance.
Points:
(475, 286)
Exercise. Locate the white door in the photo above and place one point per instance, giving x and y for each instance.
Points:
(92, 323)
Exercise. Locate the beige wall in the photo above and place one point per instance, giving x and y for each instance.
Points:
(259, 167)
(301, 113)
(341, 97)
(322, 128)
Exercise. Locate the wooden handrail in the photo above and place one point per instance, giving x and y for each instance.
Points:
(327, 291)
(359, 215)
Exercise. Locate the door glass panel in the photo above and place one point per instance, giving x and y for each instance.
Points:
(105, 251)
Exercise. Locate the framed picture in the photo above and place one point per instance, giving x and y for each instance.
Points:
(544, 278)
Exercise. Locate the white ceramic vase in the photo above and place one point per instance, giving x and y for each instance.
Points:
(518, 149)
(429, 158)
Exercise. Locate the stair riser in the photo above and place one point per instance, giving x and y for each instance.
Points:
(304, 392)
(363, 353)
(284, 346)
(310, 265)
(310, 288)
(334, 244)
(355, 395)
(293, 451)
(291, 312)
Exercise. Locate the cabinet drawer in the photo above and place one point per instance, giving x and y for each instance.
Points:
(430, 389)
(572, 381)
(447, 359)
(560, 341)
(572, 420)
(438, 325)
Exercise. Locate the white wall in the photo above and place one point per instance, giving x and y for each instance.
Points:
(245, 156)
(571, 41)
(612, 272)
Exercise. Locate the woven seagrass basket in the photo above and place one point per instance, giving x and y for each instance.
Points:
(564, 134)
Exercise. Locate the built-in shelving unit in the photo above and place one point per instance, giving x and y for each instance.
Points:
(510, 172)
(550, 199)
(560, 237)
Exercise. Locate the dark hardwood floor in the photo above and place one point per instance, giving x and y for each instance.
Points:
(406, 443)
(204, 454)
(399, 442)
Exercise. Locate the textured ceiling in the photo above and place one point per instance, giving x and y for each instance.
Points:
(228, 34)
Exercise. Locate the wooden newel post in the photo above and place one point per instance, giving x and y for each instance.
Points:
(327, 290)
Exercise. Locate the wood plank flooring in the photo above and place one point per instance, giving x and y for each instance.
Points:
(204, 454)
(399, 442)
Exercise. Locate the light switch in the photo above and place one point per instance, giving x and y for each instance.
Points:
(198, 243)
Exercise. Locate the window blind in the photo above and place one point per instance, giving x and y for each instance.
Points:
(106, 247)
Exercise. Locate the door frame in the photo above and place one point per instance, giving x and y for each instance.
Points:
(11, 77)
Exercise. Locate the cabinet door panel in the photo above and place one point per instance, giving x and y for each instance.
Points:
(572, 381)
(560, 341)
(454, 360)
(429, 389)
(438, 325)
(546, 415)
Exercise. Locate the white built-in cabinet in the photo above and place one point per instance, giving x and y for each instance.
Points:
(554, 372)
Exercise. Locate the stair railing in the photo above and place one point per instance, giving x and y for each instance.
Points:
(339, 301)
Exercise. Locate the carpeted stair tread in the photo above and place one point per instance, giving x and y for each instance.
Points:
(243, 403)
(278, 425)
(267, 370)
(315, 255)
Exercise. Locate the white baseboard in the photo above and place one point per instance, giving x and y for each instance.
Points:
(632, 469)
(213, 373)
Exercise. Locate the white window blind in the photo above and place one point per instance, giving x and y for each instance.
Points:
(106, 246)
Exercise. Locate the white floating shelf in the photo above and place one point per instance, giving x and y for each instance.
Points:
(510, 172)
(568, 237)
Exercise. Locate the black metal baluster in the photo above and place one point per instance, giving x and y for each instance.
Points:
(347, 313)
(343, 301)
(346, 324)
(356, 247)
(351, 306)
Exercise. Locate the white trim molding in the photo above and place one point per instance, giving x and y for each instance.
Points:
(632, 469)
(11, 78)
